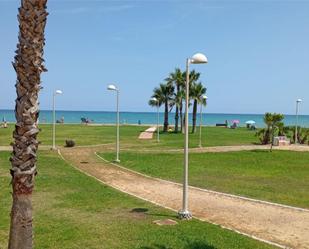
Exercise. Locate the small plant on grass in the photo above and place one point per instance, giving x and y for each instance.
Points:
(69, 143)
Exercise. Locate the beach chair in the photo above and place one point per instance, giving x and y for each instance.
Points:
(84, 120)
(234, 126)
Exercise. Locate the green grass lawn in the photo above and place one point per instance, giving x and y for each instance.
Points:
(72, 210)
(278, 176)
(82, 134)
(211, 136)
(91, 135)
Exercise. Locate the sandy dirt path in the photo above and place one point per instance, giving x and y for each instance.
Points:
(281, 225)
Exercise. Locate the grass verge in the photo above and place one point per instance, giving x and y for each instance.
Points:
(278, 176)
(72, 210)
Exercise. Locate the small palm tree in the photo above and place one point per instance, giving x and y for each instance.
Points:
(274, 125)
(164, 94)
(196, 93)
(28, 65)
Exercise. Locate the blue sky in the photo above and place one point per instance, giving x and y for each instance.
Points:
(258, 52)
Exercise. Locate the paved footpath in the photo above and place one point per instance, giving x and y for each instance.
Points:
(279, 224)
(147, 134)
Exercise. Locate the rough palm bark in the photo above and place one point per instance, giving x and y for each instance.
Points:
(28, 65)
(176, 118)
(194, 116)
(165, 126)
(177, 110)
(180, 116)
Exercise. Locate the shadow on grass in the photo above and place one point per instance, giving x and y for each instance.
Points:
(139, 210)
(156, 246)
(194, 245)
(199, 245)
(260, 151)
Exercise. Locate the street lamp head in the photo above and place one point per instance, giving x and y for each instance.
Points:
(299, 100)
(198, 59)
(112, 88)
(58, 92)
(204, 97)
(154, 99)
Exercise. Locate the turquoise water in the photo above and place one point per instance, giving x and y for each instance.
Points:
(150, 117)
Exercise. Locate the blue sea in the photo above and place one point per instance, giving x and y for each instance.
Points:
(210, 119)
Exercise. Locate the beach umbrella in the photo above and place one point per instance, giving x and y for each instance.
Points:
(236, 121)
(250, 122)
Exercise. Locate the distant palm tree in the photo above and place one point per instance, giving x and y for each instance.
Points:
(164, 94)
(28, 65)
(196, 93)
(177, 80)
(194, 77)
(178, 102)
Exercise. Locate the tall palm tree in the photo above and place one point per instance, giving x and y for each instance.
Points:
(177, 80)
(194, 77)
(164, 94)
(177, 101)
(28, 65)
(196, 93)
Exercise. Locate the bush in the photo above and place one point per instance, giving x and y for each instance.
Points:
(69, 143)
(302, 135)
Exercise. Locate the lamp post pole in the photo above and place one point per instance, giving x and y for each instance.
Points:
(114, 88)
(185, 213)
(117, 144)
(54, 123)
(154, 99)
(296, 126)
(54, 117)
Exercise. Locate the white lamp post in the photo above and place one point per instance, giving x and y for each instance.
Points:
(158, 131)
(297, 107)
(184, 213)
(114, 88)
(57, 92)
(204, 97)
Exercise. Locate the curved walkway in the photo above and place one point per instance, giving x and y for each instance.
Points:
(281, 225)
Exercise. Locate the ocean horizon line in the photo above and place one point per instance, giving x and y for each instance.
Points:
(172, 112)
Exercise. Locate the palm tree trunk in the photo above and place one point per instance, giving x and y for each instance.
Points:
(177, 110)
(176, 119)
(165, 128)
(181, 119)
(28, 65)
(272, 139)
(194, 116)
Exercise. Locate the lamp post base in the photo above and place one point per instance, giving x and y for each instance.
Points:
(117, 161)
(184, 215)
